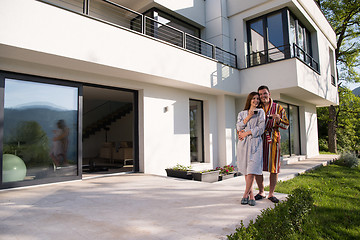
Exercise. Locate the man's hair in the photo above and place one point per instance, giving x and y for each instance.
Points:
(263, 87)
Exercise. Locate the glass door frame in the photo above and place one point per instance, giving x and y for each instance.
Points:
(289, 129)
(37, 79)
(202, 131)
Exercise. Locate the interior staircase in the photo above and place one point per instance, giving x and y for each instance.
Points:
(104, 122)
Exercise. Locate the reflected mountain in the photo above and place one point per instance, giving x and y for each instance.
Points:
(46, 117)
(35, 105)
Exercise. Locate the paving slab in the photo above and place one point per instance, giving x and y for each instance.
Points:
(134, 206)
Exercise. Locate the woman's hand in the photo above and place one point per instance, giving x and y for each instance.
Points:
(242, 134)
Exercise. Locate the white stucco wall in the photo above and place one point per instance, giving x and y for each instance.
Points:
(52, 33)
(311, 131)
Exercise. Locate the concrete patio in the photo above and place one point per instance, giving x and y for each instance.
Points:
(134, 206)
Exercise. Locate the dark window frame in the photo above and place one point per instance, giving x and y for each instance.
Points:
(286, 14)
(38, 79)
(135, 120)
(285, 30)
(202, 130)
(289, 128)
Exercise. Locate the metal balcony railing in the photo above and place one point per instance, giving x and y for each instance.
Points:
(306, 58)
(281, 53)
(269, 55)
(118, 15)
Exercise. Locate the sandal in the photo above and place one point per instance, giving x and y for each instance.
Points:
(273, 199)
(252, 202)
(245, 201)
(259, 197)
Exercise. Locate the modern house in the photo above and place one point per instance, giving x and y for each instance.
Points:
(96, 86)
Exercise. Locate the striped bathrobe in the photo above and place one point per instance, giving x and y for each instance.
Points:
(271, 137)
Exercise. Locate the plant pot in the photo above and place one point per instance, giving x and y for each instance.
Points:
(226, 176)
(179, 173)
(212, 176)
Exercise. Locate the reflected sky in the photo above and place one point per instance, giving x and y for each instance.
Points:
(18, 94)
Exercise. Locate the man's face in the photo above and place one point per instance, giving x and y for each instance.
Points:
(264, 95)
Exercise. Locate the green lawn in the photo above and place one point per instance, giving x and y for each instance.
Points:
(336, 192)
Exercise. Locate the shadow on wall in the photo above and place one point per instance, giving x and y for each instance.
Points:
(322, 84)
(225, 78)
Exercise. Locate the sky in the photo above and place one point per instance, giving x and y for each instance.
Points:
(18, 93)
(352, 86)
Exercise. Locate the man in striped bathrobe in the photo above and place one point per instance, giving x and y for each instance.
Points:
(275, 119)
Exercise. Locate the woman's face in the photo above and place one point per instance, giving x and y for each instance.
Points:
(255, 101)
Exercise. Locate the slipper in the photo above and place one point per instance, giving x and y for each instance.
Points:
(252, 202)
(259, 197)
(245, 201)
(273, 199)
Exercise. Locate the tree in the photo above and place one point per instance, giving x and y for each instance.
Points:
(348, 123)
(344, 17)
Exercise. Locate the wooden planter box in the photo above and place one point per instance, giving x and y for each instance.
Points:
(179, 174)
(210, 177)
(226, 176)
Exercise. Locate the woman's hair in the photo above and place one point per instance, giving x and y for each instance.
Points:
(248, 100)
(61, 124)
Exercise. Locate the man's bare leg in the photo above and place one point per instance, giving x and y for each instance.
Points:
(273, 181)
(260, 183)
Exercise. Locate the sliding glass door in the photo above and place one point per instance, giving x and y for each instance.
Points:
(40, 131)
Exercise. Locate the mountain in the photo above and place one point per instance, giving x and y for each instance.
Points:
(356, 91)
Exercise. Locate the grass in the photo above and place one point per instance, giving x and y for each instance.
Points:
(329, 153)
(336, 192)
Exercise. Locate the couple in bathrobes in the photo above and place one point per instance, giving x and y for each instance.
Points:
(258, 147)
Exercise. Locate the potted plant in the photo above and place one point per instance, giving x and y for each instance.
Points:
(211, 175)
(226, 172)
(180, 171)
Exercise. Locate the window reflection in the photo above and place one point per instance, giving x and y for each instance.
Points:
(40, 129)
(196, 130)
(257, 45)
(290, 138)
(275, 37)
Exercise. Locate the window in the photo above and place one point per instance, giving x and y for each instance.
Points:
(173, 30)
(332, 66)
(40, 134)
(290, 138)
(257, 46)
(267, 39)
(277, 36)
(196, 130)
(166, 19)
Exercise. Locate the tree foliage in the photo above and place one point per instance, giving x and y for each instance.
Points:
(344, 17)
(347, 122)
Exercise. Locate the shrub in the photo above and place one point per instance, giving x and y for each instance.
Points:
(323, 145)
(348, 159)
(181, 167)
(280, 222)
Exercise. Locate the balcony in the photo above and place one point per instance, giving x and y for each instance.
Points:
(281, 53)
(112, 13)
